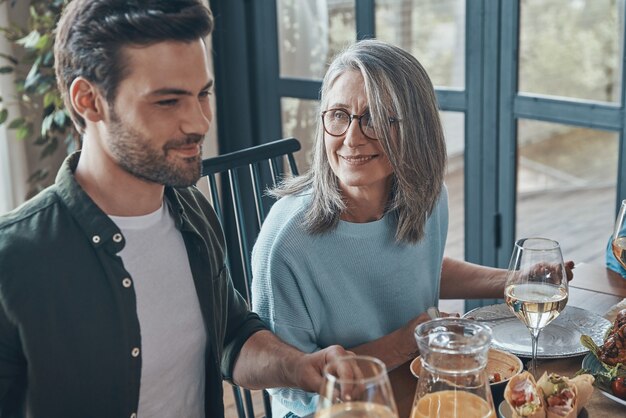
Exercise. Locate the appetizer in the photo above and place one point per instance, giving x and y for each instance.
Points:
(565, 397)
(612, 355)
(524, 397)
(613, 351)
(559, 395)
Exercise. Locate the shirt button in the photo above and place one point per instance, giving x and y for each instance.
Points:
(95, 239)
(117, 237)
(135, 352)
(127, 282)
(133, 415)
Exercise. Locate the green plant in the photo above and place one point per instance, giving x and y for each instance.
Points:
(43, 118)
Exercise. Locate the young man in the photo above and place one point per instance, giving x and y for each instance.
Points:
(114, 297)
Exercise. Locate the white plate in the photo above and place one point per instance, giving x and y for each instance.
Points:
(559, 339)
(591, 363)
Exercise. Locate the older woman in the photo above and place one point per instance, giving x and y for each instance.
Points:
(352, 253)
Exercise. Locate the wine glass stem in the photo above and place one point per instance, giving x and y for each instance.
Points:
(534, 336)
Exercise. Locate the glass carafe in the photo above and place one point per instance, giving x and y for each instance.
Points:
(453, 382)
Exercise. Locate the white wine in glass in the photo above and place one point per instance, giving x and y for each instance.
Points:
(536, 289)
(356, 387)
(618, 242)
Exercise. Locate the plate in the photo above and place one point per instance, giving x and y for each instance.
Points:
(504, 410)
(559, 339)
(591, 363)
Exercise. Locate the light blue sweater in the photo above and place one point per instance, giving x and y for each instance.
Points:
(348, 286)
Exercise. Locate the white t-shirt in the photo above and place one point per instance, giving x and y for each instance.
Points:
(173, 336)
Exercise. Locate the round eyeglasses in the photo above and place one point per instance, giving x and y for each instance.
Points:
(337, 121)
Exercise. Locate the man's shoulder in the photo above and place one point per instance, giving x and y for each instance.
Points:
(22, 218)
(27, 234)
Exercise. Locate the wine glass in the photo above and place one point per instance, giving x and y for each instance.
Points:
(536, 286)
(356, 386)
(618, 242)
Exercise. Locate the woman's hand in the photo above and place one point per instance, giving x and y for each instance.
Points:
(569, 266)
(409, 330)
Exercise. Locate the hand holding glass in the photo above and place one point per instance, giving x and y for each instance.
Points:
(356, 386)
(536, 287)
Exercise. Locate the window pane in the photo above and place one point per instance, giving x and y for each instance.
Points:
(311, 32)
(566, 187)
(432, 30)
(454, 128)
(571, 48)
(299, 119)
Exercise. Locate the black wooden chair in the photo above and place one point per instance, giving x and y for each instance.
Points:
(242, 205)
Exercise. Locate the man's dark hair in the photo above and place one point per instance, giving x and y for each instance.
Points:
(91, 33)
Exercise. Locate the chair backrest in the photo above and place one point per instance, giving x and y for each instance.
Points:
(241, 205)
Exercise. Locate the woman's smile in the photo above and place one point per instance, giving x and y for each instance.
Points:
(357, 160)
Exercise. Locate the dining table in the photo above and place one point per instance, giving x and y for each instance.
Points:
(595, 289)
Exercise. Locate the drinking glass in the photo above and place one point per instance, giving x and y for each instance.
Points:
(356, 386)
(536, 286)
(618, 242)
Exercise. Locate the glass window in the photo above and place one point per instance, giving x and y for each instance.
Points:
(454, 128)
(566, 179)
(300, 118)
(571, 48)
(311, 32)
(432, 30)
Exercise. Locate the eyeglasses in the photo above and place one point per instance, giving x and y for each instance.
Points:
(337, 121)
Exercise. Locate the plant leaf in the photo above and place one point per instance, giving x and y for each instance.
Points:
(44, 85)
(30, 40)
(33, 75)
(17, 123)
(43, 43)
(6, 69)
(49, 98)
(24, 131)
(41, 140)
(60, 117)
(50, 148)
(4, 114)
(48, 59)
(46, 124)
(9, 58)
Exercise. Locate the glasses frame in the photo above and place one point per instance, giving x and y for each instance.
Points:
(350, 119)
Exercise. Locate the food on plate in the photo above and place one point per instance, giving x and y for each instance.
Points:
(560, 397)
(613, 351)
(618, 387)
(552, 396)
(524, 397)
(612, 356)
(584, 385)
(496, 377)
(565, 397)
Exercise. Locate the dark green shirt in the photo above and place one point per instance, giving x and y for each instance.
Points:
(70, 342)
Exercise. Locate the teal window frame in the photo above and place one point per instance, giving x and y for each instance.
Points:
(490, 102)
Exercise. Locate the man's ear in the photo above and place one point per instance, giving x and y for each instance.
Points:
(87, 100)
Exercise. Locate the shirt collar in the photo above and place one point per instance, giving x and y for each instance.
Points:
(100, 229)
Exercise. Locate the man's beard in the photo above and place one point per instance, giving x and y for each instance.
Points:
(135, 154)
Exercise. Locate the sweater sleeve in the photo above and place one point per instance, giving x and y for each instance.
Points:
(280, 302)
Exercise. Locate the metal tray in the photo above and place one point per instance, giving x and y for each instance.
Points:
(559, 339)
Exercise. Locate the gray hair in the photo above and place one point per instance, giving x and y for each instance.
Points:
(396, 85)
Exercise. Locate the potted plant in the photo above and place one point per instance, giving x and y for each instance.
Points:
(43, 118)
